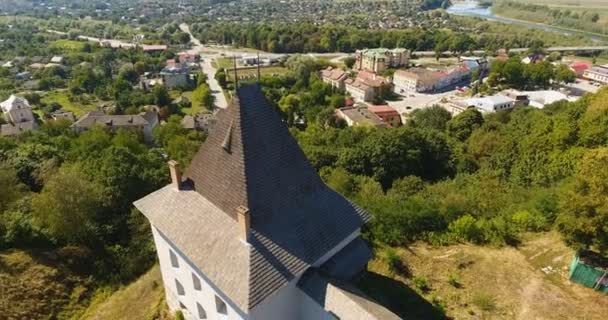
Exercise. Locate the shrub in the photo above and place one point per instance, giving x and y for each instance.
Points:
(529, 221)
(465, 228)
(422, 284)
(394, 262)
(179, 315)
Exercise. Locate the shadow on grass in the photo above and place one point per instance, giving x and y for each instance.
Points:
(398, 297)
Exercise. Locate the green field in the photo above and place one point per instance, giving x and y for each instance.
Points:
(599, 6)
(62, 98)
(65, 44)
(573, 14)
(251, 73)
(225, 63)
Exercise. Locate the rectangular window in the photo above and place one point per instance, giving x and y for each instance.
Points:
(174, 262)
(197, 282)
(220, 305)
(201, 311)
(180, 288)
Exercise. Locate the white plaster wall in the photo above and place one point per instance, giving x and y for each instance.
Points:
(283, 305)
(289, 303)
(205, 297)
(311, 310)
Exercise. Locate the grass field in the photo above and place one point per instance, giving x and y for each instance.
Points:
(594, 6)
(41, 285)
(471, 282)
(251, 73)
(68, 45)
(196, 105)
(143, 299)
(61, 97)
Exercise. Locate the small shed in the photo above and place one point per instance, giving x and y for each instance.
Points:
(591, 270)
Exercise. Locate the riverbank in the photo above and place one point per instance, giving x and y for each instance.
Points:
(471, 8)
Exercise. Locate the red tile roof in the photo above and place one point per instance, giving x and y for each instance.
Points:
(580, 66)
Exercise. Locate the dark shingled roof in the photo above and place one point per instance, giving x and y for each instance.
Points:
(250, 159)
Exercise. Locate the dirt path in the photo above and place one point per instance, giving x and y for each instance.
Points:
(529, 294)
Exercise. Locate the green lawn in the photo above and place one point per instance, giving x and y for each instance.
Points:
(225, 63)
(61, 97)
(196, 107)
(252, 72)
(68, 45)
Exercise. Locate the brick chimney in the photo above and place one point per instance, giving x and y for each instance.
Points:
(176, 174)
(244, 221)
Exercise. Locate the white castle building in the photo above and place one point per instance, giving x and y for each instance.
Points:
(251, 232)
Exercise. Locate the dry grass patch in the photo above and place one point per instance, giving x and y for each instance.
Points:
(472, 282)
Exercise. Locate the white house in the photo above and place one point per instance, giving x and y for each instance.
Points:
(251, 232)
(415, 80)
(17, 109)
(597, 73)
(18, 115)
(491, 103)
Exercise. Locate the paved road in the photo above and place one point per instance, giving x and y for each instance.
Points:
(209, 70)
(113, 43)
(207, 67)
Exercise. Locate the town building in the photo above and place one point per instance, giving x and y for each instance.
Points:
(359, 90)
(415, 80)
(23, 76)
(174, 76)
(334, 76)
(360, 116)
(389, 115)
(379, 59)
(250, 231)
(541, 98)
(57, 59)
(17, 109)
(597, 74)
(18, 115)
(62, 115)
(12, 129)
(144, 122)
(365, 86)
(200, 121)
(579, 68)
(188, 58)
(491, 103)
(154, 48)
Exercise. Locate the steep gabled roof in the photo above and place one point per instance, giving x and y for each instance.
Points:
(250, 159)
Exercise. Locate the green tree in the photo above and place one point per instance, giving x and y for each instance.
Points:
(69, 213)
(563, 74)
(435, 117)
(349, 62)
(204, 96)
(583, 217)
(463, 124)
(161, 96)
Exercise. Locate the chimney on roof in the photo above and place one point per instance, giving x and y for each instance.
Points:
(244, 221)
(176, 174)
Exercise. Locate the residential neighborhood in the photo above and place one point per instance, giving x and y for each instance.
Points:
(303, 160)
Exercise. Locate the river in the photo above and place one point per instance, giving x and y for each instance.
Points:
(470, 8)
